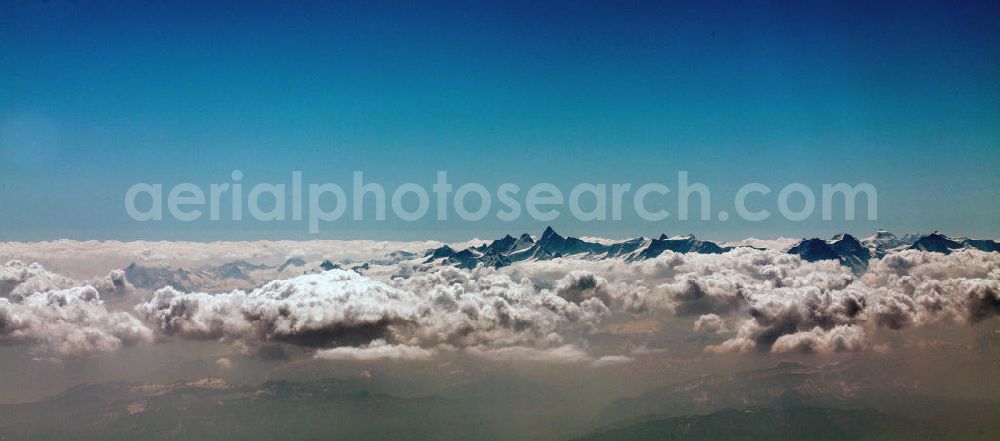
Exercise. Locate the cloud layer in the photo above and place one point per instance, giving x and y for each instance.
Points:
(71, 322)
(450, 308)
(742, 301)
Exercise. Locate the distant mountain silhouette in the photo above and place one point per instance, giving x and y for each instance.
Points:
(551, 245)
(844, 248)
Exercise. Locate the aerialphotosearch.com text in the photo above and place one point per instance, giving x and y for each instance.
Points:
(321, 203)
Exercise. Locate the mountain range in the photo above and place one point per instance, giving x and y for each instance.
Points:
(846, 249)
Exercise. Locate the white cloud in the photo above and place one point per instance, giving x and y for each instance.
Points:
(18, 280)
(840, 338)
(710, 323)
(906, 289)
(765, 300)
(561, 354)
(344, 309)
(224, 363)
(71, 322)
(376, 350)
(611, 360)
(312, 310)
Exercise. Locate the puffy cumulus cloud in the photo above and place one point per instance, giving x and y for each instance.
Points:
(778, 302)
(310, 310)
(710, 323)
(917, 302)
(784, 311)
(71, 322)
(840, 338)
(115, 288)
(336, 309)
(483, 308)
(906, 289)
(915, 288)
(981, 298)
(761, 300)
(690, 284)
(376, 350)
(578, 286)
(895, 310)
(753, 269)
(692, 295)
(961, 264)
(18, 280)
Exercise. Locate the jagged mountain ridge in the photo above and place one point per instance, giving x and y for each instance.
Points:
(939, 243)
(507, 250)
(845, 248)
(882, 242)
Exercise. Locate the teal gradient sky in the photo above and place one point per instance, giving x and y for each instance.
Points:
(97, 96)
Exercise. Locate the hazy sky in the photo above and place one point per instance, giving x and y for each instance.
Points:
(96, 97)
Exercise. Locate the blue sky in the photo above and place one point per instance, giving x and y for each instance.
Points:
(95, 97)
